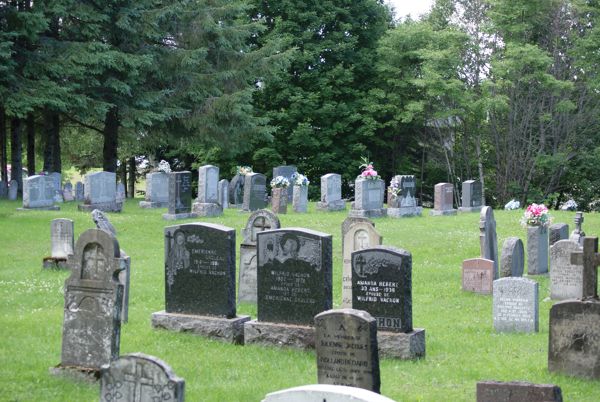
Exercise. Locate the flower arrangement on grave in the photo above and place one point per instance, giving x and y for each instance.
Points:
(280, 182)
(367, 170)
(163, 166)
(300, 180)
(570, 205)
(395, 186)
(244, 170)
(536, 215)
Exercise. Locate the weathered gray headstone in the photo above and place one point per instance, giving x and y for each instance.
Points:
(68, 192)
(368, 198)
(57, 183)
(478, 275)
(331, 193)
(62, 237)
(38, 193)
(236, 191)
(79, 191)
(180, 196)
(102, 222)
(120, 193)
(472, 196)
(207, 203)
(255, 192)
(287, 172)
(488, 241)
(300, 199)
(537, 250)
(558, 231)
(566, 278)
(259, 221)
(140, 378)
(325, 393)
(578, 234)
(512, 261)
(93, 298)
(279, 200)
(359, 236)
(13, 190)
(494, 391)
(349, 221)
(443, 200)
(157, 191)
(223, 192)
(346, 346)
(405, 202)
(100, 191)
(516, 306)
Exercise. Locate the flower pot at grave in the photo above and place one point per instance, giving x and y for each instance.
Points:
(300, 199)
(537, 250)
(279, 200)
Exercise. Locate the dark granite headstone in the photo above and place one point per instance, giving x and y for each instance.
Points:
(494, 391)
(93, 299)
(488, 241)
(512, 261)
(255, 192)
(3, 189)
(478, 275)
(200, 269)
(79, 191)
(294, 275)
(236, 190)
(140, 378)
(558, 231)
(346, 344)
(180, 195)
(382, 285)
(472, 196)
(287, 172)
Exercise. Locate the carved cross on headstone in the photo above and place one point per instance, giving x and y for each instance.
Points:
(590, 259)
(360, 263)
(94, 263)
(138, 380)
(260, 225)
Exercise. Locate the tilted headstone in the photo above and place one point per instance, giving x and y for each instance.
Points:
(300, 199)
(93, 298)
(102, 222)
(346, 346)
(13, 190)
(139, 377)
(157, 191)
(180, 196)
(368, 198)
(558, 231)
(120, 192)
(236, 191)
(443, 200)
(38, 192)
(223, 192)
(516, 305)
(79, 191)
(331, 193)
(404, 203)
(494, 391)
(325, 393)
(207, 203)
(259, 221)
(488, 241)
(100, 192)
(359, 236)
(537, 250)
(62, 237)
(57, 183)
(512, 261)
(574, 345)
(67, 192)
(566, 278)
(472, 196)
(578, 234)
(3, 189)
(478, 275)
(287, 172)
(255, 192)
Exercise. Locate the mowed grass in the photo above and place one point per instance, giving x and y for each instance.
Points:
(462, 347)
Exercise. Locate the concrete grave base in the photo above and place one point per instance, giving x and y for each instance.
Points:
(174, 217)
(470, 209)
(154, 204)
(435, 212)
(55, 263)
(400, 345)
(52, 208)
(404, 212)
(338, 205)
(490, 391)
(268, 333)
(104, 207)
(368, 213)
(76, 373)
(230, 330)
(207, 209)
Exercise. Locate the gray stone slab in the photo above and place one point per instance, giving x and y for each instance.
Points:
(3, 189)
(274, 334)
(331, 193)
(62, 238)
(255, 192)
(478, 275)
(558, 231)
(229, 330)
(67, 192)
(300, 199)
(349, 221)
(157, 189)
(100, 188)
(38, 192)
(286, 171)
(120, 193)
(402, 345)
(368, 195)
(512, 262)
(208, 184)
(537, 250)
(325, 392)
(207, 209)
(79, 191)
(13, 190)
(443, 200)
(494, 391)
(488, 241)
(175, 217)
(223, 193)
(472, 196)
(515, 305)
(566, 278)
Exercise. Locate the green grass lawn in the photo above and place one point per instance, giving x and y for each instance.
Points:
(462, 347)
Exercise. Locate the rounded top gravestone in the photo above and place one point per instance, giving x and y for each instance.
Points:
(512, 261)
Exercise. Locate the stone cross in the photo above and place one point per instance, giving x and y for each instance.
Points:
(138, 381)
(590, 259)
(261, 224)
(360, 263)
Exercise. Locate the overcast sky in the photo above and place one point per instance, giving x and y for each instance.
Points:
(413, 7)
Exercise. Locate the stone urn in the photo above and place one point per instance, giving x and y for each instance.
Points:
(300, 199)
(537, 250)
(279, 200)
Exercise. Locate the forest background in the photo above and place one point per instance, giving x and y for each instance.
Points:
(504, 91)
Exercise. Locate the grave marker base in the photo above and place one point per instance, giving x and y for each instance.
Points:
(230, 330)
(368, 213)
(154, 204)
(76, 373)
(268, 333)
(174, 217)
(52, 208)
(404, 212)
(104, 207)
(470, 209)
(55, 263)
(339, 205)
(400, 345)
(207, 209)
(447, 212)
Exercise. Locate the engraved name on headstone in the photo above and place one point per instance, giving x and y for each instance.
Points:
(255, 192)
(566, 278)
(516, 306)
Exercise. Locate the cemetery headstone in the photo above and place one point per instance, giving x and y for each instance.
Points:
(100, 192)
(558, 231)
(578, 234)
(382, 286)
(566, 278)
(67, 192)
(279, 200)
(300, 199)
(359, 236)
(255, 192)
(515, 305)
(512, 261)
(259, 221)
(478, 275)
(368, 198)
(3, 189)
(488, 241)
(331, 193)
(349, 221)
(180, 196)
(223, 191)
(346, 346)
(207, 203)
(57, 194)
(472, 196)
(494, 391)
(200, 282)
(537, 250)
(93, 298)
(236, 191)
(574, 344)
(38, 193)
(402, 197)
(287, 172)
(443, 200)
(13, 190)
(61, 239)
(325, 393)
(139, 377)
(79, 191)
(120, 193)
(157, 191)
(102, 222)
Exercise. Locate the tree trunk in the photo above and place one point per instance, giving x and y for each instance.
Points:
(123, 174)
(3, 155)
(111, 140)
(30, 144)
(52, 159)
(132, 177)
(16, 161)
